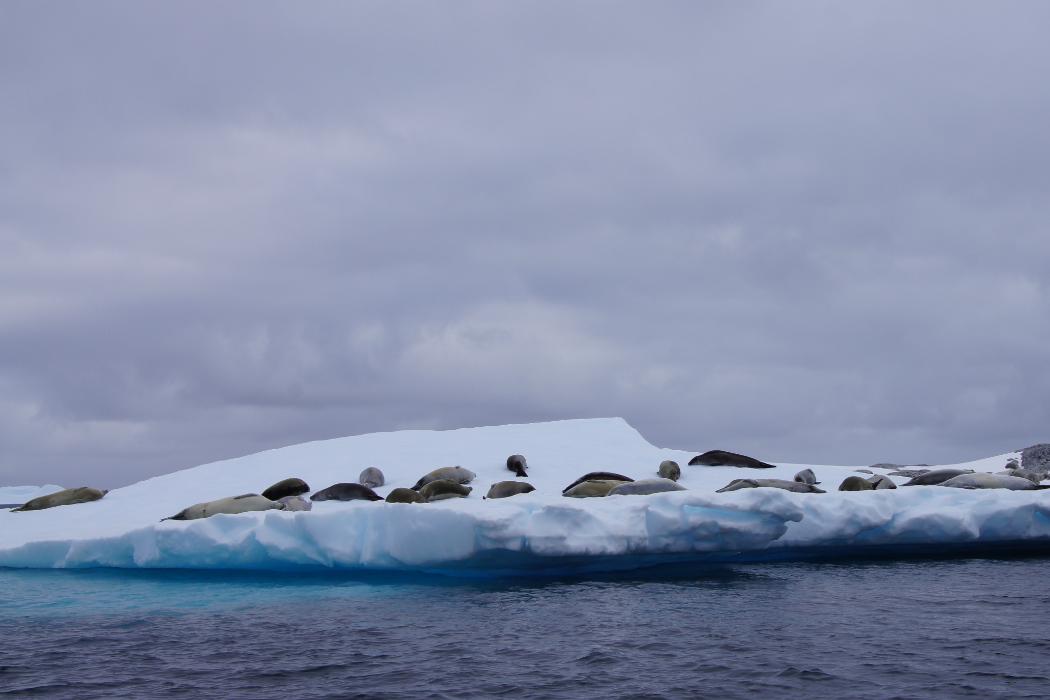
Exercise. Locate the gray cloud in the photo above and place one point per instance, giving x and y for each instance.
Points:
(812, 232)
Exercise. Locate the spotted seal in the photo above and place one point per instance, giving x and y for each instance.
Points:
(669, 469)
(346, 492)
(645, 487)
(597, 476)
(442, 489)
(286, 487)
(506, 489)
(371, 477)
(457, 474)
(516, 463)
(66, 497)
(721, 458)
(784, 484)
(245, 503)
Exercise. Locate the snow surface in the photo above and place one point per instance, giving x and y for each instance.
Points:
(541, 530)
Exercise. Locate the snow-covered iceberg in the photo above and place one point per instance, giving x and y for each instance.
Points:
(539, 531)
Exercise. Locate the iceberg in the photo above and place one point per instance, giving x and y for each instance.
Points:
(541, 531)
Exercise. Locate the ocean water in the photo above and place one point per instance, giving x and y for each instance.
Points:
(949, 628)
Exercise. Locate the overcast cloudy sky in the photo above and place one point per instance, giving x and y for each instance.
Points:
(805, 231)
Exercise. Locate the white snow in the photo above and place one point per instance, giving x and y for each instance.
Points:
(539, 530)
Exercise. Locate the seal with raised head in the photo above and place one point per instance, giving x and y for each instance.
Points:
(806, 476)
(403, 495)
(856, 483)
(372, 478)
(784, 484)
(597, 476)
(245, 503)
(880, 482)
(506, 489)
(937, 476)
(645, 487)
(346, 492)
(286, 487)
(982, 480)
(442, 489)
(669, 469)
(456, 474)
(516, 463)
(721, 458)
(592, 488)
(66, 497)
(296, 503)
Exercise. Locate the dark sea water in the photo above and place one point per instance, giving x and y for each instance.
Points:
(950, 628)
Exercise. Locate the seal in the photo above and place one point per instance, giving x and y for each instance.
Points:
(372, 478)
(441, 489)
(456, 474)
(287, 487)
(68, 497)
(346, 492)
(245, 503)
(516, 463)
(506, 489)
(881, 481)
(597, 476)
(937, 476)
(1024, 474)
(403, 495)
(794, 486)
(296, 503)
(645, 487)
(806, 476)
(592, 488)
(856, 483)
(910, 473)
(982, 480)
(669, 469)
(721, 458)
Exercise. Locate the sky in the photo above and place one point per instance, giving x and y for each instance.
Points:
(810, 232)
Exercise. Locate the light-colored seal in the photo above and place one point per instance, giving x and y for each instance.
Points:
(442, 489)
(806, 476)
(721, 458)
(937, 476)
(856, 483)
(669, 469)
(645, 487)
(597, 476)
(346, 492)
(881, 482)
(286, 487)
(982, 480)
(456, 474)
(784, 484)
(245, 503)
(506, 489)
(68, 497)
(403, 495)
(594, 488)
(516, 463)
(296, 503)
(1024, 474)
(372, 478)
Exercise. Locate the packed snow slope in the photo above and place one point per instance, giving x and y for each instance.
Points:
(537, 531)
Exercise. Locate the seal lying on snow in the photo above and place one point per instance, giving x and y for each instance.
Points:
(856, 483)
(645, 487)
(296, 503)
(795, 486)
(506, 489)
(593, 488)
(442, 489)
(806, 476)
(516, 463)
(457, 474)
(245, 503)
(669, 469)
(989, 481)
(881, 481)
(597, 476)
(403, 495)
(721, 458)
(346, 492)
(936, 476)
(68, 497)
(372, 478)
(287, 487)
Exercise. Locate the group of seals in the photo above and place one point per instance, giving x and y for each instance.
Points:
(67, 497)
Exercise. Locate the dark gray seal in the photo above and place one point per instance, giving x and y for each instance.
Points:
(506, 489)
(442, 489)
(296, 503)
(456, 474)
(856, 483)
(721, 458)
(806, 476)
(346, 492)
(981, 480)
(937, 476)
(403, 495)
(644, 487)
(783, 484)
(516, 463)
(669, 469)
(372, 478)
(286, 487)
(67, 497)
(597, 476)
(245, 503)
(592, 488)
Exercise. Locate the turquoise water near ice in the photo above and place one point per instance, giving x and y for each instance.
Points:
(957, 627)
